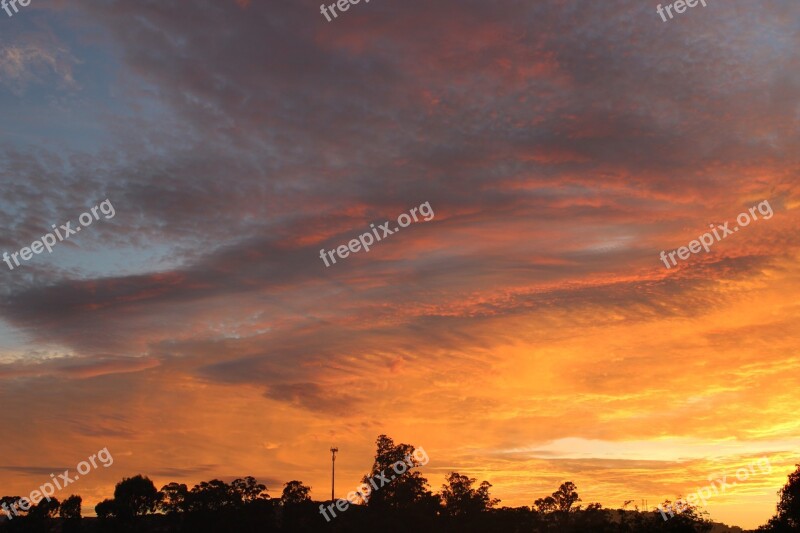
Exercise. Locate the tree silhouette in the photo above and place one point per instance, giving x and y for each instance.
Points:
(566, 496)
(71, 508)
(294, 492)
(389, 488)
(545, 505)
(45, 509)
(460, 499)
(561, 500)
(787, 516)
(70, 511)
(398, 499)
(174, 499)
(214, 495)
(135, 496)
(8, 504)
(248, 490)
(106, 509)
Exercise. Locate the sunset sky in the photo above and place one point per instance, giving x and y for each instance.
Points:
(527, 335)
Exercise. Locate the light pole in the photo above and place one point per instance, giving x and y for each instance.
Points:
(333, 471)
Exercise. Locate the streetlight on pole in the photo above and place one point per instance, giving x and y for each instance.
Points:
(333, 471)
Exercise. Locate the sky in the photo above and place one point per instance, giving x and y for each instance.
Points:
(529, 333)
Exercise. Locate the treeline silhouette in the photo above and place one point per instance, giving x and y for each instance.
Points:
(405, 504)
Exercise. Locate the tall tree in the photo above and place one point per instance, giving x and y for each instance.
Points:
(70, 512)
(135, 496)
(566, 497)
(175, 498)
(787, 516)
(294, 492)
(213, 495)
(561, 500)
(391, 489)
(71, 508)
(45, 509)
(461, 499)
(248, 490)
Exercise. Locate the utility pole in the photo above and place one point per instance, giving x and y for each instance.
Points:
(333, 471)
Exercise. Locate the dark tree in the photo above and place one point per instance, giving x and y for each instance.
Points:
(685, 518)
(461, 499)
(70, 512)
(545, 505)
(45, 509)
(71, 508)
(214, 495)
(8, 503)
(561, 500)
(787, 516)
(294, 492)
(595, 519)
(558, 512)
(398, 500)
(174, 498)
(789, 502)
(135, 496)
(566, 497)
(402, 490)
(248, 490)
(106, 509)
